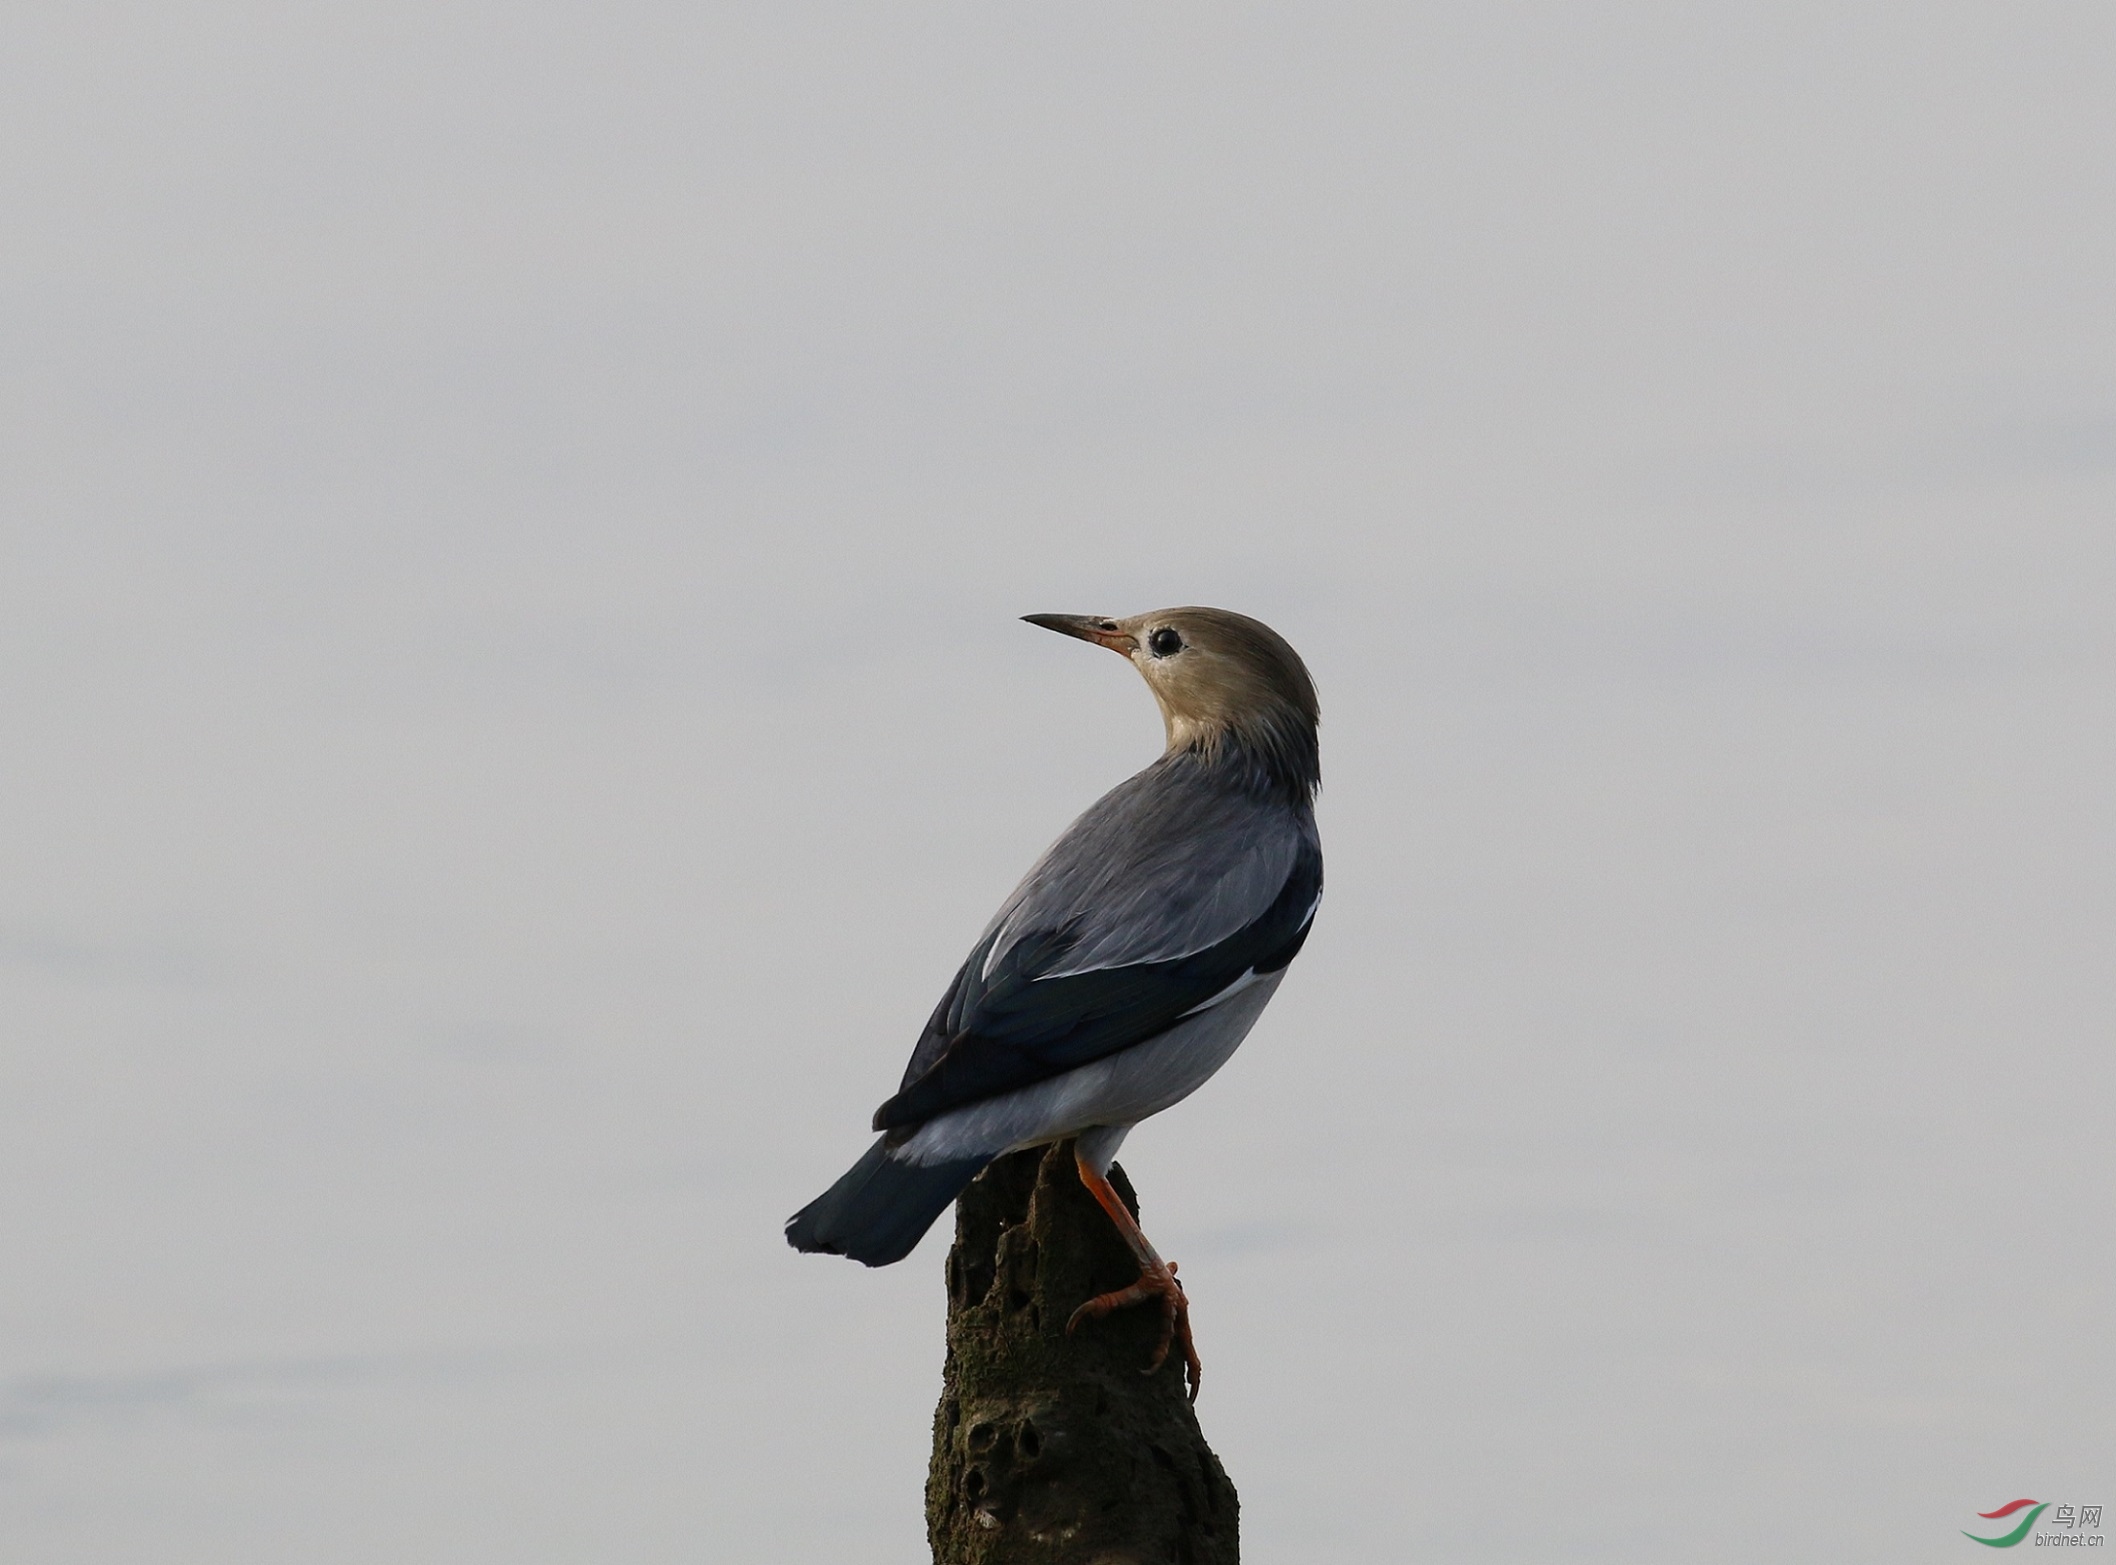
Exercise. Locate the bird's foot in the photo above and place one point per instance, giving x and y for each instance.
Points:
(1159, 1287)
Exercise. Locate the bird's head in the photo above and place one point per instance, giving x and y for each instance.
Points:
(1224, 681)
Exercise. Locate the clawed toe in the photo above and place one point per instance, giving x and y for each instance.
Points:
(1166, 1291)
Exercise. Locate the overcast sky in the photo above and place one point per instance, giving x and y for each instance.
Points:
(514, 517)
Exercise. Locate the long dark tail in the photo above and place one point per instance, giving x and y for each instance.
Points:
(881, 1208)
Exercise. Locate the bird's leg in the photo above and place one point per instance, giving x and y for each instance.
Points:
(1157, 1282)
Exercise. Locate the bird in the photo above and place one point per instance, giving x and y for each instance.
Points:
(1126, 967)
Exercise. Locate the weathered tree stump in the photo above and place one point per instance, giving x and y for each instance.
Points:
(1057, 1450)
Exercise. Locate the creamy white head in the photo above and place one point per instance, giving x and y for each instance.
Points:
(1224, 682)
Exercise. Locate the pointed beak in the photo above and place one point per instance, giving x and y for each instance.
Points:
(1102, 632)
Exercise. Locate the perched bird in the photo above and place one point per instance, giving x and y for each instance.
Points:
(1126, 967)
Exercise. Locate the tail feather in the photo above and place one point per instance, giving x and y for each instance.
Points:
(881, 1208)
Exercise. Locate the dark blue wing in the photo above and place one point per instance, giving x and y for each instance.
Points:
(1028, 1014)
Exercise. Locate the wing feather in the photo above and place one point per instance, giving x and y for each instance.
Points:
(1151, 906)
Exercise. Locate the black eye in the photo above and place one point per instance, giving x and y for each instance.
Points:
(1164, 643)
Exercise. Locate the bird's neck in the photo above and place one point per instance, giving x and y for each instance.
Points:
(1273, 752)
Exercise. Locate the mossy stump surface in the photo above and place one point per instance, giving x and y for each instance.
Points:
(1057, 1450)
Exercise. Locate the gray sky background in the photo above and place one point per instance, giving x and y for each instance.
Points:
(514, 517)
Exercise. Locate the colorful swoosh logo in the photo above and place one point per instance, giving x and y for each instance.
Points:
(2027, 1523)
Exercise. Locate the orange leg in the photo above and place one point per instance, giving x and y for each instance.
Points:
(1157, 1282)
